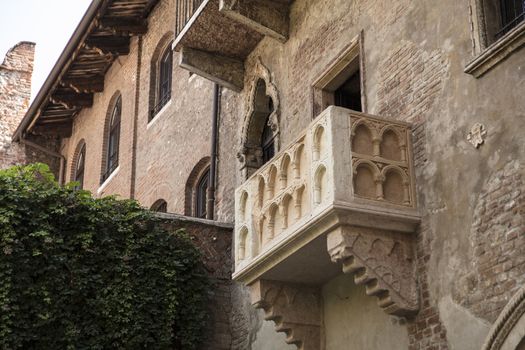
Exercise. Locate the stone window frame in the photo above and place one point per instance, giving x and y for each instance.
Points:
(250, 159)
(194, 178)
(508, 332)
(79, 150)
(346, 57)
(105, 173)
(163, 46)
(486, 54)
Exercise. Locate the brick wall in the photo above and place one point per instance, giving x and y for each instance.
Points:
(498, 240)
(15, 91)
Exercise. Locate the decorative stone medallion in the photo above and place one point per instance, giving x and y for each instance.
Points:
(477, 134)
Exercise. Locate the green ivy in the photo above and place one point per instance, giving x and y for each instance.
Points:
(83, 273)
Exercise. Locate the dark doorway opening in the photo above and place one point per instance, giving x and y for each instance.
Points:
(348, 95)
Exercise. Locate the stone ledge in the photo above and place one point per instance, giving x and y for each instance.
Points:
(497, 52)
(184, 218)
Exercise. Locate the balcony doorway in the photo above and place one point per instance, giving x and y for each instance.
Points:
(342, 82)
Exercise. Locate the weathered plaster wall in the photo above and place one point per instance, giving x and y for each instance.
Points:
(353, 320)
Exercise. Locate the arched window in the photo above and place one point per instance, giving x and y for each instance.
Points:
(113, 140)
(79, 168)
(196, 189)
(201, 195)
(160, 206)
(260, 134)
(163, 78)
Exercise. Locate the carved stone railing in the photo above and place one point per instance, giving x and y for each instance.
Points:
(343, 192)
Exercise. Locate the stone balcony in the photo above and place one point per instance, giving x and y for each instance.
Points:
(214, 37)
(341, 196)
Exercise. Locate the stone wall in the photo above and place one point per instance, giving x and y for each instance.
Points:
(15, 91)
(214, 242)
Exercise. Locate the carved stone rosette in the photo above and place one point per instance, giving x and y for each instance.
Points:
(382, 261)
(295, 309)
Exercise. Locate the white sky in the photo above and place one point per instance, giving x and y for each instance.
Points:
(48, 23)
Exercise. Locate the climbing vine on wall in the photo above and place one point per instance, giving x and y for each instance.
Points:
(84, 273)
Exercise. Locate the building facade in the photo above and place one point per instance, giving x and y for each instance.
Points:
(370, 155)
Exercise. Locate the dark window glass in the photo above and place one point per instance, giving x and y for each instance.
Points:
(267, 139)
(201, 195)
(160, 206)
(512, 13)
(164, 79)
(113, 140)
(79, 171)
(348, 95)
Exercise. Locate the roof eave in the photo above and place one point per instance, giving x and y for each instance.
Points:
(52, 80)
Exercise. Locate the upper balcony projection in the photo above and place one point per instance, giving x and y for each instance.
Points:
(343, 191)
(215, 36)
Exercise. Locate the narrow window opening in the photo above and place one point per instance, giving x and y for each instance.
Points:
(201, 195)
(112, 152)
(267, 137)
(164, 77)
(79, 171)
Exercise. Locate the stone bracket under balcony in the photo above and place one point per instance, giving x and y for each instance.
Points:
(294, 308)
(380, 260)
(339, 198)
(216, 37)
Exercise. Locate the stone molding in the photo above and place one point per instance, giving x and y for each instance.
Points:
(295, 309)
(496, 52)
(381, 261)
(506, 322)
(247, 155)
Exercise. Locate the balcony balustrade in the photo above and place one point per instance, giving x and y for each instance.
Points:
(341, 195)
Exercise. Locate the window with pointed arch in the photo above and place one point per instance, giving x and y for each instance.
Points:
(113, 140)
(79, 168)
(164, 76)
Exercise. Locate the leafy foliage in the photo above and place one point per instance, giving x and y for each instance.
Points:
(84, 273)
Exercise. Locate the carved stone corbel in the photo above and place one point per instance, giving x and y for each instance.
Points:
(295, 309)
(382, 261)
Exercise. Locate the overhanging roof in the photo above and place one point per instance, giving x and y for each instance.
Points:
(102, 35)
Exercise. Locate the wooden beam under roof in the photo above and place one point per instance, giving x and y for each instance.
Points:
(116, 45)
(85, 84)
(72, 99)
(123, 25)
(61, 130)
